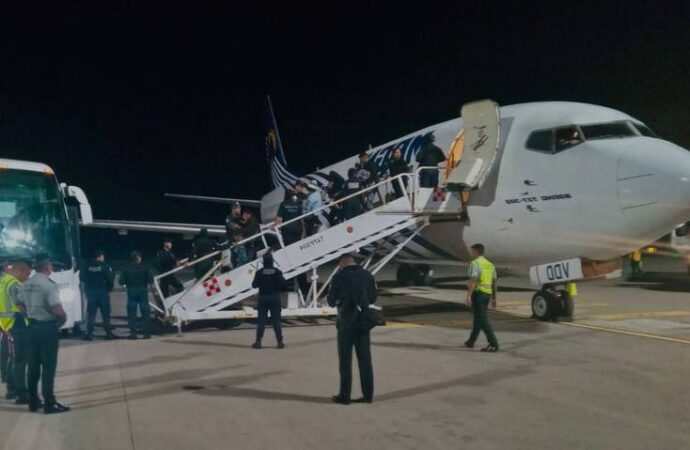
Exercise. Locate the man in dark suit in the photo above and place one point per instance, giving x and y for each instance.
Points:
(353, 289)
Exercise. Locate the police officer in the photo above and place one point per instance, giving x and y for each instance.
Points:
(136, 278)
(41, 297)
(290, 209)
(429, 156)
(352, 206)
(97, 277)
(353, 289)
(203, 245)
(270, 282)
(165, 262)
(481, 293)
(14, 328)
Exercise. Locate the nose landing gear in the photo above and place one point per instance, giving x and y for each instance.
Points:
(552, 302)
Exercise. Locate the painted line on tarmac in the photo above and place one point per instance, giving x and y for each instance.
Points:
(657, 337)
(626, 332)
(638, 315)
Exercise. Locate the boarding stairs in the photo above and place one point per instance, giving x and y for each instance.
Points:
(220, 295)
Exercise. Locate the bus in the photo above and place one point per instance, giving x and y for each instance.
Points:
(35, 219)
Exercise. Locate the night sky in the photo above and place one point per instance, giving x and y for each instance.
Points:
(132, 102)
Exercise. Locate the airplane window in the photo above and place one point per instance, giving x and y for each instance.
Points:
(567, 137)
(608, 130)
(644, 130)
(541, 140)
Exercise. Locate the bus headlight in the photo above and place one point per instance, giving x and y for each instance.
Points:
(66, 294)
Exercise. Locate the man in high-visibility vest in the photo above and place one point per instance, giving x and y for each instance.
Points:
(14, 328)
(636, 263)
(481, 294)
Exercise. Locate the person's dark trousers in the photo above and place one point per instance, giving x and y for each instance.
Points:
(480, 306)
(7, 362)
(167, 283)
(636, 269)
(265, 305)
(202, 268)
(347, 339)
(4, 354)
(290, 236)
(44, 344)
(138, 299)
(97, 299)
(428, 178)
(22, 343)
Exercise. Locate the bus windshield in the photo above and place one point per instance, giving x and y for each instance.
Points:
(32, 217)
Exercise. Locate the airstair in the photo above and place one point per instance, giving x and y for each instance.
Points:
(226, 293)
(220, 294)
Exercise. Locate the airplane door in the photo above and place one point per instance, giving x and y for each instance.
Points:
(477, 145)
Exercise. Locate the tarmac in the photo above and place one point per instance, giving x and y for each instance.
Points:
(616, 376)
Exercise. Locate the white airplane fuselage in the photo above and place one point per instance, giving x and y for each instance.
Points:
(598, 199)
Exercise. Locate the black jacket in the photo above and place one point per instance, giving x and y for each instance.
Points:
(336, 191)
(352, 289)
(396, 167)
(367, 173)
(269, 280)
(202, 246)
(430, 155)
(135, 276)
(97, 275)
(165, 261)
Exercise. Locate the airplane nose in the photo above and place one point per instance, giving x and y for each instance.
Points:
(654, 172)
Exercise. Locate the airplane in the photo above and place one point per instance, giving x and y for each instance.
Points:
(571, 188)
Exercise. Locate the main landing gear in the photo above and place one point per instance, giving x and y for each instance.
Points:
(414, 275)
(552, 302)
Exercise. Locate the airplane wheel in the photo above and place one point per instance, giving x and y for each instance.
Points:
(567, 305)
(423, 275)
(405, 276)
(545, 305)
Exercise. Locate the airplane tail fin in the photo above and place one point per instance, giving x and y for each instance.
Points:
(280, 175)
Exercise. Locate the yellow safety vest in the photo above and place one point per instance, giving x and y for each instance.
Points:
(486, 275)
(636, 256)
(7, 306)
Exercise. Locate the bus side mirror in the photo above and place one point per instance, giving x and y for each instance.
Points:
(84, 206)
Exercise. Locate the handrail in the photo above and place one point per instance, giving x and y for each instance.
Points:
(274, 229)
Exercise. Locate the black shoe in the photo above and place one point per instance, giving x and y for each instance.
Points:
(490, 349)
(146, 336)
(256, 345)
(340, 400)
(112, 337)
(35, 405)
(468, 344)
(132, 337)
(362, 400)
(87, 337)
(56, 408)
(463, 217)
(281, 345)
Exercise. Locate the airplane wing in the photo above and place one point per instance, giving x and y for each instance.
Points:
(123, 226)
(224, 200)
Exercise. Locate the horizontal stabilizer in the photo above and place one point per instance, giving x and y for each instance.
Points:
(224, 200)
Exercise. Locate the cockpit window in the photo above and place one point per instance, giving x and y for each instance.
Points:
(609, 130)
(567, 137)
(644, 130)
(541, 140)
